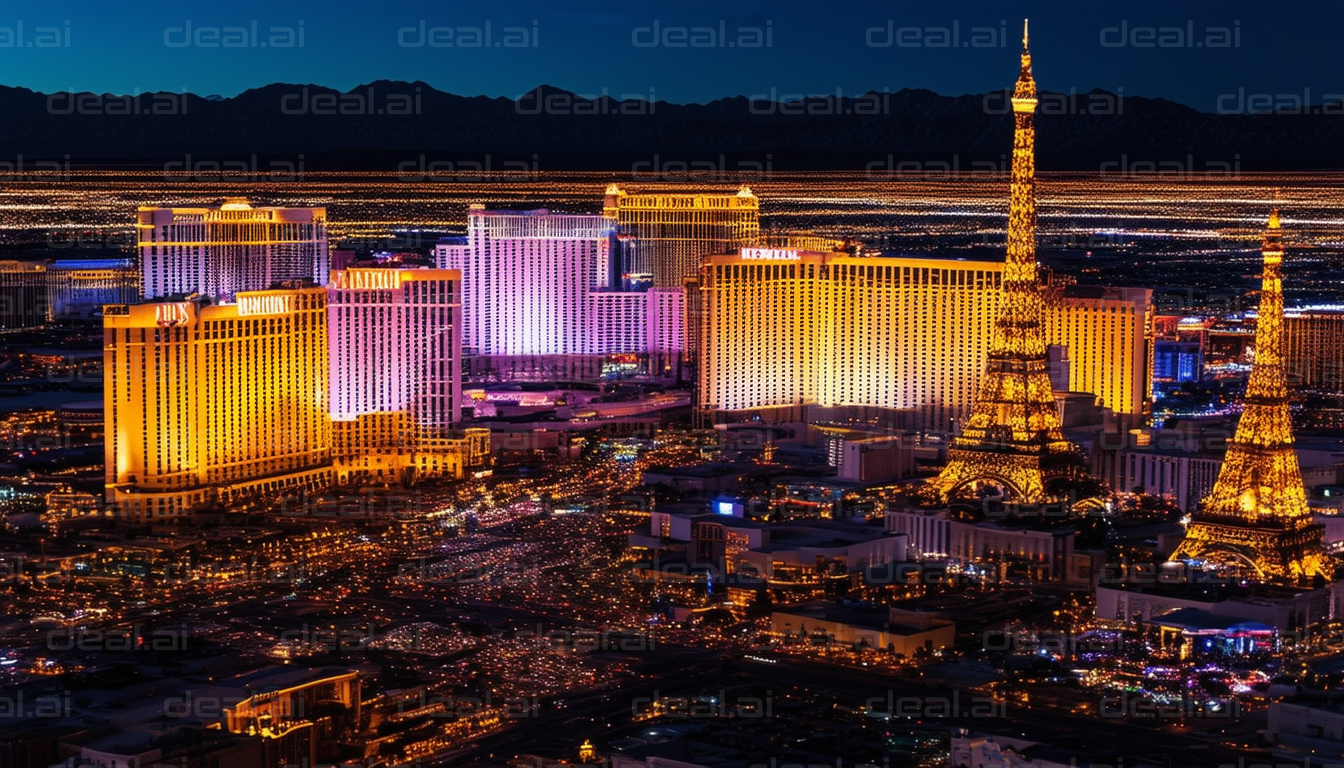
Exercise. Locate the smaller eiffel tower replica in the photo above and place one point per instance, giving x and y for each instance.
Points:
(1256, 518)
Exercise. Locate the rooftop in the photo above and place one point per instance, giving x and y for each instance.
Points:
(870, 617)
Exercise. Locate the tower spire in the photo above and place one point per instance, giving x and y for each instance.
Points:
(1257, 513)
(1024, 93)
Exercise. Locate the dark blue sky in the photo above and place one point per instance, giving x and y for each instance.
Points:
(1278, 47)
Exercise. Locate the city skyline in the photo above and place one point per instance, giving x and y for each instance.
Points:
(773, 465)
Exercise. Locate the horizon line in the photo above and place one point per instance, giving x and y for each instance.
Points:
(774, 97)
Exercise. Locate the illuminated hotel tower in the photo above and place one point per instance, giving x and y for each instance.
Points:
(672, 232)
(1257, 514)
(526, 277)
(395, 343)
(208, 404)
(782, 328)
(1013, 438)
(219, 252)
(1314, 342)
(23, 294)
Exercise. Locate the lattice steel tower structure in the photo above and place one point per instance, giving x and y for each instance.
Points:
(1013, 439)
(1257, 514)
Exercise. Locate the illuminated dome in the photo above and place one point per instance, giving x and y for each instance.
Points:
(745, 191)
(235, 204)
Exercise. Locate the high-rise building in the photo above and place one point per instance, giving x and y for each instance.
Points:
(619, 321)
(526, 276)
(395, 344)
(220, 252)
(1014, 438)
(1257, 518)
(786, 328)
(543, 298)
(766, 329)
(80, 287)
(1177, 361)
(671, 233)
(1314, 348)
(23, 294)
(395, 348)
(214, 404)
(666, 330)
(1107, 332)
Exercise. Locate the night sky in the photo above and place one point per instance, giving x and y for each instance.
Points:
(1280, 47)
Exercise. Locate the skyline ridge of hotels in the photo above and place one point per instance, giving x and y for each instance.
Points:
(283, 391)
(537, 295)
(533, 285)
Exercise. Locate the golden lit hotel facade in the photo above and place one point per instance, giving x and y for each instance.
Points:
(1314, 348)
(213, 404)
(784, 328)
(672, 232)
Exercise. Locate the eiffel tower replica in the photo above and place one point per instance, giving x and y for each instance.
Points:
(1012, 439)
(1257, 517)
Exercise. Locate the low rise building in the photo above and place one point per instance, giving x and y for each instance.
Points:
(1319, 729)
(1282, 608)
(1047, 551)
(890, 629)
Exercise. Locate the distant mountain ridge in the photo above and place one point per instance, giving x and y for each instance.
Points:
(385, 124)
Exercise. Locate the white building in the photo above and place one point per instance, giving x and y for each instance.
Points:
(219, 252)
(973, 750)
(526, 276)
(874, 459)
(1183, 477)
(1303, 727)
(938, 537)
(395, 342)
(618, 320)
(1285, 610)
(892, 629)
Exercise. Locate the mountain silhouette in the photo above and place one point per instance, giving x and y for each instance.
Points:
(385, 124)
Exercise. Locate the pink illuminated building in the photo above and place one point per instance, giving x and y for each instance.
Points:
(395, 343)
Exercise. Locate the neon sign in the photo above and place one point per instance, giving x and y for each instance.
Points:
(169, 315)
(264, 305)
(769, 254)
(369, 279)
